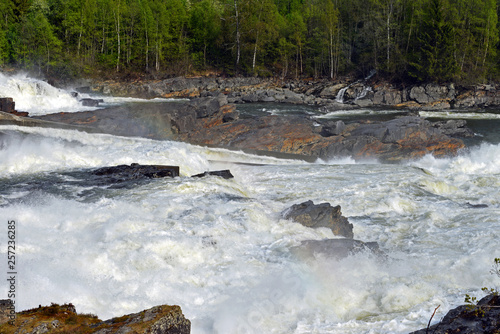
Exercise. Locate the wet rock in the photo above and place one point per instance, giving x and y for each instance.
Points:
(330, 91)
(87, 102)
(320, 215)
(162, 319)
(7, 104)
(476, 206)
(454, 128)
(226, 174)
(481, 319)
(332, 128)
(136, 171)
(335, 248)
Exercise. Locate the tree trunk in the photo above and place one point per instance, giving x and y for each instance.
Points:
(117, 21)
(238, 35)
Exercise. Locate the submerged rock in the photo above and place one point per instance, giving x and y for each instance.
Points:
(469, 319)
(136, 171)
(320, 215)
(335, 248)
(162, 319)
(226, 174)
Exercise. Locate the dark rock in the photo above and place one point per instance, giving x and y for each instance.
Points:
(136, 171)
(205, 107)
(320, 215)
(332, 128)
(7, 104)
(335, 248)
(226, 174)
(90, 102)
(476, 206)
(454, 128)
(481, 319)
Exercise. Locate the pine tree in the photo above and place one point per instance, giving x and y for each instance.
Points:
(435, 61)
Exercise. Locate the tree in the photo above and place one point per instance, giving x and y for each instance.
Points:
(35, 45)
(436, 61)
(205, 27)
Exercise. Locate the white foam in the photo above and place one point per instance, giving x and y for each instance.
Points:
(36, 96)
(357, 112)
(219, 249)
(455, 114)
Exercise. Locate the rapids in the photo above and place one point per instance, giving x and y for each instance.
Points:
(219, 249)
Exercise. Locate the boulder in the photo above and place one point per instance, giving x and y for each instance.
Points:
(330, 92)
(162, 319)
(483, 318)
(226, 174)
(454, 128)
(136, 171)
(332, 128)
(7, 104)
(335, 248)
(87, 102)
(320, 215)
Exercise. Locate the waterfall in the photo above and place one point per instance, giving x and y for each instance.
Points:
(36, 96)
(340, 95)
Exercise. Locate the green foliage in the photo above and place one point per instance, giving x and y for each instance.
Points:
(471, 301)
(429, 40)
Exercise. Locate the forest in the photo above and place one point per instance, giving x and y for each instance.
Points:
(403, 40)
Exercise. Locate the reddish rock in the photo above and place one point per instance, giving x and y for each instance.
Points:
(7, 104)
(204, 121)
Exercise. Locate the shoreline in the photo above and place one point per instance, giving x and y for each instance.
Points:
(328, 94)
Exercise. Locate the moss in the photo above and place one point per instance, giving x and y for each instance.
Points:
(63, 319)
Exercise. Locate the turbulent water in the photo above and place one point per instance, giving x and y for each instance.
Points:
(219, 249)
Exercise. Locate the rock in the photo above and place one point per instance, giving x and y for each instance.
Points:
(226, 174)
(332, 128)
(476, 206)
(205, 107)
(136, 171)
(330, 92)
(320, 215)
(204, 121)
(7, 311)
(162, 319)
(336, 106)
(7, 104)
(90, 102)
(335, 248)
(465, 319)
(454, 128)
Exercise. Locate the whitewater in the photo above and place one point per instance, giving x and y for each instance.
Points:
(220, 249)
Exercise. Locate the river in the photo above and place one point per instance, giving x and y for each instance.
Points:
(219, 249)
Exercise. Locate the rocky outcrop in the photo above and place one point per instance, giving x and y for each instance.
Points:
(162, 319)
(136, 171)
(402, 138)
(482, 318)
(324, 215)
(320, 215)
(211, 121)
(358, 94)
(225, 174)
(151, 120)
(8, 105)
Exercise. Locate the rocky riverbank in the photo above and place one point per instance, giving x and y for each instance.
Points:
(330, 94)
(56, 318)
